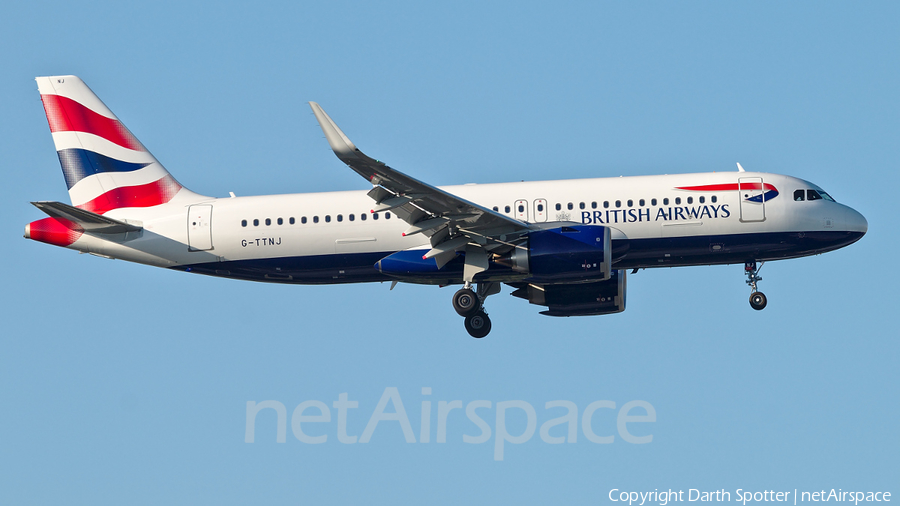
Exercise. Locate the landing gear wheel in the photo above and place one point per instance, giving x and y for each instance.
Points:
(758, 300)
(466, 303)
(478, 325)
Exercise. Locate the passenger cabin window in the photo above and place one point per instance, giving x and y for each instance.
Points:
(362, 216)
(374, 216)
(570, 206)
(521, 208)
(641, 202)
(303, 220)
(714, 199)
(255, 223)
(327, 218)
(652, 202)
(677, 200)
(581, 205)
(351, 217)
(496, 209)
(540, 208)
(618, 203)
(506, 209)
(340, 217)
(799, 195)
(702, 199)
(387, 215)
(665, 202)
(813, 195)
(630, 203)
(605, 204)
(315, 219)
(268, 221)
(558, 207)
(690, 200)
(280, 221)
(291, 220)
(593, 205)
(243, 223)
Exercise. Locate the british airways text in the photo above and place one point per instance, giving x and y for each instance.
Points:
(661, 214)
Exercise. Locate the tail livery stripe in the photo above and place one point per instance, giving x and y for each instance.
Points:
(67, 115)
(146, 195)
(78, 164)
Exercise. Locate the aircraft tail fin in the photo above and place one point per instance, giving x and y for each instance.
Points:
(104, 164)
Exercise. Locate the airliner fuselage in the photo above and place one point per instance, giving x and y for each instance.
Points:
(564, 244)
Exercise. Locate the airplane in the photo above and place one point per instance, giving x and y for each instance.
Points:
(565, 245)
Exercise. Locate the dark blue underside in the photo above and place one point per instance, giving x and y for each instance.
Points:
(641, 253)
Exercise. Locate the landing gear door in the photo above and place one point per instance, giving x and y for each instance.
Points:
(522, 210)
(751, 193)
(540, 210)
(200, 228)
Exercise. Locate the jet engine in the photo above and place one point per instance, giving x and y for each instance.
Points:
(568, 254)
(582, 299)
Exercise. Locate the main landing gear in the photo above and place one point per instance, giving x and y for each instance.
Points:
(469, 305)
(757, 299)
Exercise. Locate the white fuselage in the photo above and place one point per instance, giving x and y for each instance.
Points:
(250, 237)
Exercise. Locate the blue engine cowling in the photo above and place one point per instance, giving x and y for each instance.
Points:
(577, 253)
(580, 299)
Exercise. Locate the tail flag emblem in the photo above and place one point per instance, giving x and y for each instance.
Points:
(105, 166)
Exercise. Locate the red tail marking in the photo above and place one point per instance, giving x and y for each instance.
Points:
(67, 115)
(146, 195)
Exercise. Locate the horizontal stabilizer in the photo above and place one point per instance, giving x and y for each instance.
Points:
(91, 222)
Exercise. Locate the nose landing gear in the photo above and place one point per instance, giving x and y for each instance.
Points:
(757, 299)
(469, 305)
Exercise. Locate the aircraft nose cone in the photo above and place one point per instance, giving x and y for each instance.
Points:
(856, 222)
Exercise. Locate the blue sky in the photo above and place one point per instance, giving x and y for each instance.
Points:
(126, 384)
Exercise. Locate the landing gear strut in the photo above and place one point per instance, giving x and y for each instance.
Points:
(469, 305)
(757, 299)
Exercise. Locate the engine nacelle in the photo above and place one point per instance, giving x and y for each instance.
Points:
(577, 253)
(580, 299)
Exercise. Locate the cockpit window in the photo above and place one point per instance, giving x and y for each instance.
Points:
(813, 195)
(799, 195)
(827, 196)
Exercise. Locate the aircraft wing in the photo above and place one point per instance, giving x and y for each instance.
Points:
(442, 216)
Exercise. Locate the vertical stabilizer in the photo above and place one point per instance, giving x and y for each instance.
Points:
(105, 166)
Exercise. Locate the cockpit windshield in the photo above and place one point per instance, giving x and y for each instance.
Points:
(810, 195)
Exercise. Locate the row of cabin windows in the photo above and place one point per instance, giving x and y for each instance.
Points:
(315, 219)
(630, 203)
